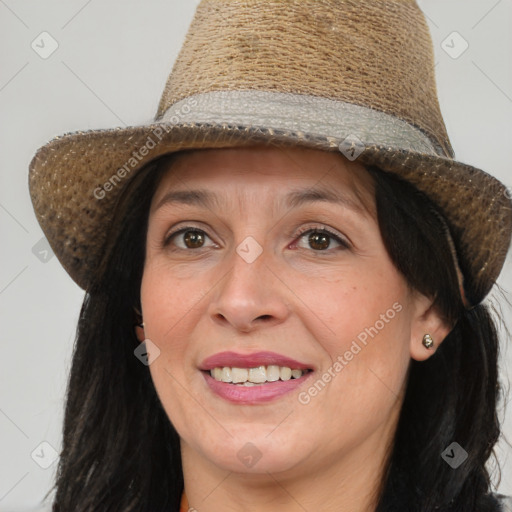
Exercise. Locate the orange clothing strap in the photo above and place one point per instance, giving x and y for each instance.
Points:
(184, 503)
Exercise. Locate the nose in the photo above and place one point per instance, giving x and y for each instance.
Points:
(249, 296)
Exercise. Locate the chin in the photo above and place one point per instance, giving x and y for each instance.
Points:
(256, 454)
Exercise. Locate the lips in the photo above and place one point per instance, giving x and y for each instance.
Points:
(219, 369)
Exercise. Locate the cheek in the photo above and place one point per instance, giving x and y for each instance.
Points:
(168, 308)
(166, 302)
(368, 345)
(361, 304)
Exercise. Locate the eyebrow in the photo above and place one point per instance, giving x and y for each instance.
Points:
(295, 199)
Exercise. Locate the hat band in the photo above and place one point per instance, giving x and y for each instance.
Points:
(313, 115)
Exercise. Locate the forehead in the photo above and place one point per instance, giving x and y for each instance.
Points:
(214, 178)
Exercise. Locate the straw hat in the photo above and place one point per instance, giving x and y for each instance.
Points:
(338, 75)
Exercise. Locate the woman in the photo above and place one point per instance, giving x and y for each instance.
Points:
(284, 277)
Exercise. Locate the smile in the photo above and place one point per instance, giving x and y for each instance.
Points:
(251, 379)
(255, 376)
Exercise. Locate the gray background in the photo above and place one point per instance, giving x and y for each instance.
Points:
(109, 69)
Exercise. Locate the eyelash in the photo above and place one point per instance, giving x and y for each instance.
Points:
(324, 230)
(302, 232)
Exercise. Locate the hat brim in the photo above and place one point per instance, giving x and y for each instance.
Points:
(76, 179)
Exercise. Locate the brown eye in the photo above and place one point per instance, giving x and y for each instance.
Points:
(193, 239)
(319, 241)
(187, 238)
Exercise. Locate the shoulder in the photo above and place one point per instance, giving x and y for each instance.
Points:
(505, 502)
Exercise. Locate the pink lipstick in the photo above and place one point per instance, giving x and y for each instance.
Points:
(251, 379)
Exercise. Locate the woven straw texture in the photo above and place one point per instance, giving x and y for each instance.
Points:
(333, 48)
(376, 54)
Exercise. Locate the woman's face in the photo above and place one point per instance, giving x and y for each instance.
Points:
(268, 264)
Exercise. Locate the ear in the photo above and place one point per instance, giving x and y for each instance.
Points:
(139, 326)
(139, 332)
(427, 320)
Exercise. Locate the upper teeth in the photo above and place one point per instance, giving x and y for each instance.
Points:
(256, 375)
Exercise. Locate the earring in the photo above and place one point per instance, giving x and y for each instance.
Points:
(139, 331)
(428, 341)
